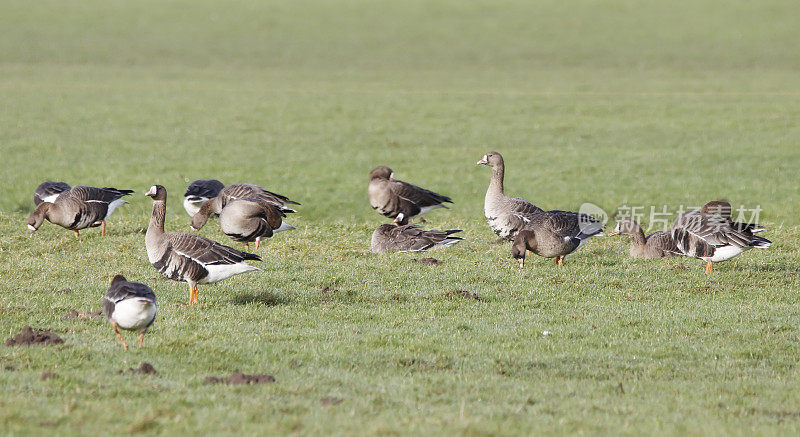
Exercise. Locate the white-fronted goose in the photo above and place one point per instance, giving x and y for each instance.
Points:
(403, 237)
(48, 191)
(659, 244)
(247, 220)
(723, 209)
(198, 192)
(79, 208)
(712, 238)
(554, 234)
(188, 257)
(239, 191)
(505, 215)
(391, 197)
(130, 306)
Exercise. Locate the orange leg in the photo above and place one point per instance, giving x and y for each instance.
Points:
(709, 267)
(103, 227)
(527, 252)
(559, 260)
(193, 296)
(141, 339)
(258, 243)
(119, 336)
(247, 246)
(77, 236)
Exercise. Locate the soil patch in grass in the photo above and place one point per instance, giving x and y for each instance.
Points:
(239, 378)
(30, 336)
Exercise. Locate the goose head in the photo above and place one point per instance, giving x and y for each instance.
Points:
(157, 192)
(492, 159)
(381, 173)
(625, 227)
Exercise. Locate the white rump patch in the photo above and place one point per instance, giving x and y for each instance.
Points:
(218, 272)
(134, 313)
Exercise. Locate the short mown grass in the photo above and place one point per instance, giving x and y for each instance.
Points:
(618, 103)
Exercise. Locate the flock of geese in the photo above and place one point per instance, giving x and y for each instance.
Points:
(249, 213)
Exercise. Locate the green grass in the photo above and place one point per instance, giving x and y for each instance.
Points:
(617, 103)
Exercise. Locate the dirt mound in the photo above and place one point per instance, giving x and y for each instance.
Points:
(48, 375)
(144, 369)
(74, 314)
(239, 378)
(327, 289)
(330, 400)
(463, 293)
(30, 336)
(429, 261)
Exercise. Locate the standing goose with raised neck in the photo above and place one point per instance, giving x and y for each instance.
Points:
(130, 306)
(712, 238)
(390, 197)
(198, 193)
(659, 244)
(554, 234)
(79, 208)
(238, 191)
(48, 191)
(187, 257)
(247, 220)
(723, 209)
(505, 215)
(403, 237)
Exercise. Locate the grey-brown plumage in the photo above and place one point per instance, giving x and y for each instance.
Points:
(404, 237)
(198, 192)
(554, 234)
(712, 238)
(79, 208)
(247, 220)
(188, 257)
(48, 191)
(659, 244)
(239, 191)
(505, 215)
(723, 209)
(130, 306)
(390, 197)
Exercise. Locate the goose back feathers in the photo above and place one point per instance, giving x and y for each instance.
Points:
(410, 238)
(390, 197)
(505, 215)
(198, 192)
(78, 208)
(723, 209)
(48, 191)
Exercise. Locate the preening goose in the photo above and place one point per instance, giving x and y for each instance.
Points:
(48, 191)
(239, 191)
(198, 192)
(723, 209)
(505, 215)
(659, 244)
(130, 306)
(554, 234)
(188, 257)
(390, 197)
(712, 238)
(79, 208)
(247, 220)
(403, 237)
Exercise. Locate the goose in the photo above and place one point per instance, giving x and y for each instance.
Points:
(198, 192)
(403, 237)
(48, 191)
(554, 234)
(238, 191)
(712, 238)
(188, 257)
(723, 209)
(79, 208)
(659, 244)
(130, 306)
(505, 215)
(247, 220)
(390, 197)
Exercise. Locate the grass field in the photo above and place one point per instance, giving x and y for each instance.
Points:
(616, 102)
